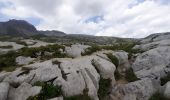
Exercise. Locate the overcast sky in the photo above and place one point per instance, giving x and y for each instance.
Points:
(121, 18)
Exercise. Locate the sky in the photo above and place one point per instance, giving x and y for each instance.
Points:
(118, 18)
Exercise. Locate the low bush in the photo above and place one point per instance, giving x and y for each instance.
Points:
(21, 43)
(92, 49)
(158, 96)
(165, 79)
(130, 76)
(48, 91)
(104, 87)
(8, 59)
(6, 47)
(113, 59)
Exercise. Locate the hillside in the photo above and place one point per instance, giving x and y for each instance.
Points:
(53, 65)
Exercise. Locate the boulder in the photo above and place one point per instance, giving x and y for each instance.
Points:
(78, 75)
(138, 90)
(23, 92)
(3, 74)
(4, 88)
(76, 50)
(153, 63)
(21, 60)
(166, 90)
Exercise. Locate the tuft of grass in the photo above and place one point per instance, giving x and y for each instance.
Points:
(48, 91)
(113, 59)
(158, 96)
(8, 59)
(21, 43)
(56, 62)
(165, 79)
(130, 75)
(92, 49)
(104, 86)
(6, 47)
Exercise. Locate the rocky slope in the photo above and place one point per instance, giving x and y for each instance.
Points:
(38, 70)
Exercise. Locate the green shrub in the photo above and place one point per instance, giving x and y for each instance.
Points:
(8, 59)
(104, 86)
(117, 75)
(48, 91)
(165, 79)
(33, 52)
(21, 43)
(113, 59)
(6, 47)
(92, 49)
(158, 96)
(130, 76)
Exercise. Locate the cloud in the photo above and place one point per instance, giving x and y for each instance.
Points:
(121, 18)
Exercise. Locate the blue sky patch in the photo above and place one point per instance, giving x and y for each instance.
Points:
(94, 19)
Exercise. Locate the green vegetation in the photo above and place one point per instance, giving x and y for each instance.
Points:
(56, 62)
(165, 79)
(104, 86)
(118, 75)
(158, 96)
(113, 59)
(130, 76)
(6, 47)
(8, 59)
(119, 46)
(48, 91)
(21, 42)
(92, 49)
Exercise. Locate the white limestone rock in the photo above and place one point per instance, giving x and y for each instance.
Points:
(138, 90)
(23, 92)
(153, 63)
(166, 90)
(4, 88)
(21, 60)
(76, 50)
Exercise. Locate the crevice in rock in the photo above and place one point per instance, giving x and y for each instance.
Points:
(64, 75)
(32, 78)
(92, 78)
(52, 80)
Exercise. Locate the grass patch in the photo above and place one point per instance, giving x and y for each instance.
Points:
(158, 96)
(21, 42)
(104, 86)
(92, 49)
(48, 91)
(113, 59)
(130, 75)
(56, 62)
(165, 79)
(6, 47)
(8, 59)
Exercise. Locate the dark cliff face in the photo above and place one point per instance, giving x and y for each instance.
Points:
(17, 28)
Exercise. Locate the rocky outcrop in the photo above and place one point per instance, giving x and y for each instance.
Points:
(23, 92)
(21, 60)
(4, 88)
(165, 90)
(153, 63)
(138, 90)
(75, 50)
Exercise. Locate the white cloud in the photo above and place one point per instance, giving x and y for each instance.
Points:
(122, 18)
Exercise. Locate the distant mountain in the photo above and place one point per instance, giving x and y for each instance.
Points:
(17, 28)
(52, 33)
